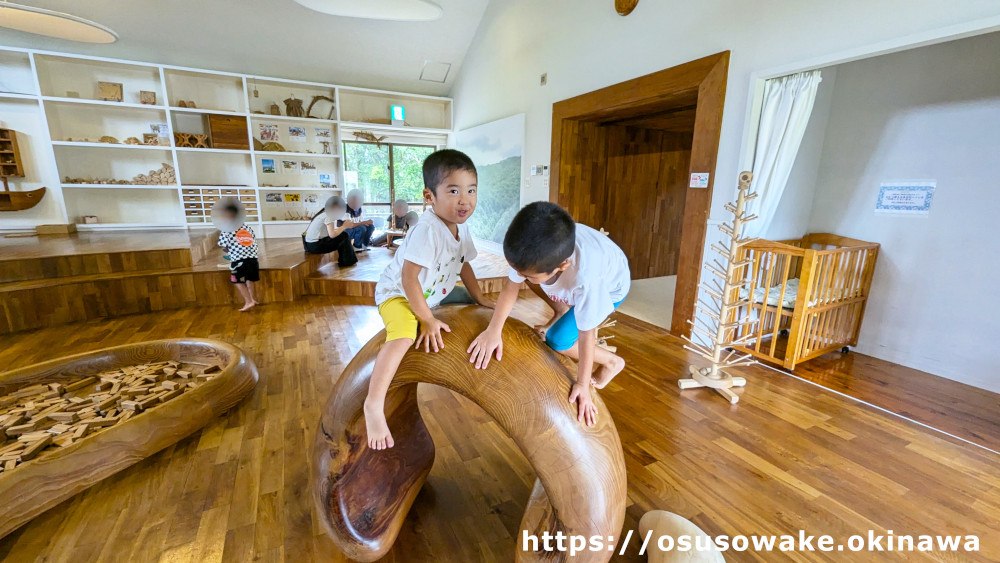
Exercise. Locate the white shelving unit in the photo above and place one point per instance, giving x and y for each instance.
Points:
(273, 184)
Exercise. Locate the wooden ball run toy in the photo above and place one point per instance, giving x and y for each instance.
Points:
(362, 496)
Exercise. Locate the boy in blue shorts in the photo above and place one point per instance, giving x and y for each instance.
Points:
(584, 275)
(422, 274)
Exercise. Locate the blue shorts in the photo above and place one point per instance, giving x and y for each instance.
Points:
(564, 333)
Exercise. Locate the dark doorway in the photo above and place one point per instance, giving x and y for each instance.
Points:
(622, 157)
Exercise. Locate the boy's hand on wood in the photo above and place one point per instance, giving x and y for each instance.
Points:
(586, 410)
(483, 346)
(430, 335)
(488, 303)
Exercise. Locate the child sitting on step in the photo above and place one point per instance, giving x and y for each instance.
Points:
(421, 275)
(585, 277)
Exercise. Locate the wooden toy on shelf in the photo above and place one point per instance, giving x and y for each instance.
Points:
(293, 107)
(191, 140)
(715, 325)
(110, 91)
(362, 496)
(315, 99)
(228, 132)
(11, 167)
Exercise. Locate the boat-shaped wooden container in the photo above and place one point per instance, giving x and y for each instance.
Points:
(57, 474)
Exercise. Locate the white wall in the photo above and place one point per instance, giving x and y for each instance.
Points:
(25, 117)
(584, 45)
(791, 217)
(929, 113)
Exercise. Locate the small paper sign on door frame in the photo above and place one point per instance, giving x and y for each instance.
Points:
(699, 180)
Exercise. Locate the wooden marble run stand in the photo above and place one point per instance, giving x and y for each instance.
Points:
(723, 293)
(362, 496)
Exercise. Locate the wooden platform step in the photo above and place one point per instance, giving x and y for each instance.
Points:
(48, 267)
(46, 257)
(287, 273)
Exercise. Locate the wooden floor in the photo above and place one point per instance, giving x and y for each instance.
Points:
(274, 252)
(790, 456)
(965, 411)
(372, 263)
(93, 242)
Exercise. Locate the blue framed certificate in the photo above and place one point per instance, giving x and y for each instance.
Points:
(905, 198)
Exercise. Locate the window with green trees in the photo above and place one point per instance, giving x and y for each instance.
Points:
(388, 172)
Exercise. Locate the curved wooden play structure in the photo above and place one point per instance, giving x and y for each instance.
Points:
(57, 474)
(363, 496)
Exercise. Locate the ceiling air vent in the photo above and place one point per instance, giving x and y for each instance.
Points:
(435, 72)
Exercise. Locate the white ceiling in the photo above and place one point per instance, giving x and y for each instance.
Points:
(277, 38)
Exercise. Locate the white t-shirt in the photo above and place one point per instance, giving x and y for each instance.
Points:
(597, 278)
(317, 227)
(431, 246)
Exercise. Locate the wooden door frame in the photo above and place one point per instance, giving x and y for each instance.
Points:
(704, 80)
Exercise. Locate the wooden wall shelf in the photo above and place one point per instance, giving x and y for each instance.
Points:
(228, 108)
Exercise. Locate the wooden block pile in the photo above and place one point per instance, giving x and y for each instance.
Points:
(164, 176)
(55, 415)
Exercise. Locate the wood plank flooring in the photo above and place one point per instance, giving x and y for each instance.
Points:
(965, 411)
(789, 456)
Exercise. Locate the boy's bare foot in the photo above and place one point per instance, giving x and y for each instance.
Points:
(543, 329)
(379, 437)
(248, 306)
(607, 372)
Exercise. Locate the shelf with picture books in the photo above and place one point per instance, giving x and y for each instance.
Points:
(287, 206)
(274, 136)
(296, 172)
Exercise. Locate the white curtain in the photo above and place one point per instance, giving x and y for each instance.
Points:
(788, 102)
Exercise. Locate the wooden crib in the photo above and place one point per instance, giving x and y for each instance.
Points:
(813, 289)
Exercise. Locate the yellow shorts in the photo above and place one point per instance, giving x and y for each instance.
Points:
(400, 322)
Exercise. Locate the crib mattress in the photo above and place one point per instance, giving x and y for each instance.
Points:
(791, 294)
(773, 295)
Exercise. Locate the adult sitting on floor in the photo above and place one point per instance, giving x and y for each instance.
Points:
(363, 227)
(402, 219)
(323, 235)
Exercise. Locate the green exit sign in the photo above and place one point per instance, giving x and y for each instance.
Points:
(398, 113)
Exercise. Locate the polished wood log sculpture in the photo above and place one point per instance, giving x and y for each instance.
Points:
(363, 496)
(39, 484)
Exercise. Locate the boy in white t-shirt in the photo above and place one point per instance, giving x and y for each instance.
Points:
(585, 275)
(422, 274)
